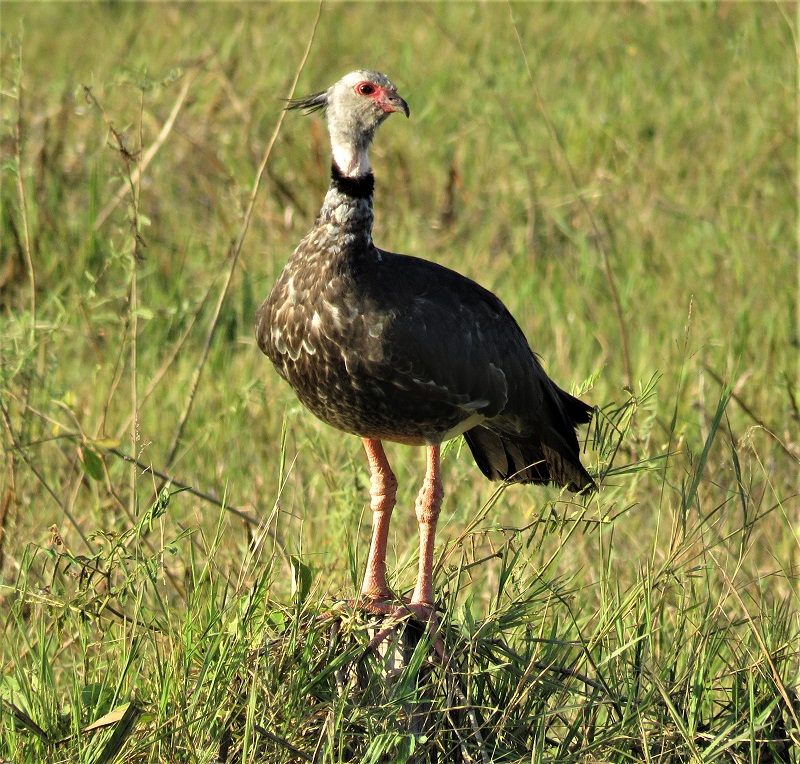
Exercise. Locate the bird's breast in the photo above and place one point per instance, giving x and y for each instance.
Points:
(333, 343)
(321, 339)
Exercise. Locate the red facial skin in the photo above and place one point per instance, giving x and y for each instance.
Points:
(378, 94)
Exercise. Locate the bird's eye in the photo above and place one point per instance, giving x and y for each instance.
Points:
(365, 88)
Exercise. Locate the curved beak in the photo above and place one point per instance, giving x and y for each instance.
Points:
(393, 102)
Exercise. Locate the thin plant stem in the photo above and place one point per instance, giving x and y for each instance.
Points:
(609, 274)
(23, 203)
(233, 256)
(749, 411)
(159, 375)
(148, 155)
(134, 304)
(29, 464)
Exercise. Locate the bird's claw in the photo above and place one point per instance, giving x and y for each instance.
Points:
(423, 613)
(393, 613)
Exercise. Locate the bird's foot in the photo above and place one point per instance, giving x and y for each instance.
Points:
(382, 603)
(394, 613)
(423, 613)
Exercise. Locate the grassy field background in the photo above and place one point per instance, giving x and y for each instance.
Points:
(623, 176)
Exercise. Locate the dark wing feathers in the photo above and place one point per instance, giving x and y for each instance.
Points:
(453, 341)
(434, 346)
(547, 457)
(445, 333)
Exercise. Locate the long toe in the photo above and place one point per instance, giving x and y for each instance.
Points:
(386, 605)
(421, 613)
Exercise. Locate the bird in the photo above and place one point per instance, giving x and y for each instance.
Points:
(391, 347)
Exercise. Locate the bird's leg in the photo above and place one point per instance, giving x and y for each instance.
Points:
(382, 491)
(421, 606)
(429, 502)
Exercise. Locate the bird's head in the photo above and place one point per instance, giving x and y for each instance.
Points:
(354, 107)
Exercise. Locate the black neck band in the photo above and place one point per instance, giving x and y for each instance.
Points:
(358, 188)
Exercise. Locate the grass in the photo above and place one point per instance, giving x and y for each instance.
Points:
(624, 177)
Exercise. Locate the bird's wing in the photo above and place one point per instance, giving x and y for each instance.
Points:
(449, 340)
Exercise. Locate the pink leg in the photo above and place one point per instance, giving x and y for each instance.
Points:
(429, 502)
(383, 489)
(421, 606)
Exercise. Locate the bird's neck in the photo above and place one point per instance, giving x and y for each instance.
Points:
(350, 147)
(355, 187)
(352, 160)
(348, 205)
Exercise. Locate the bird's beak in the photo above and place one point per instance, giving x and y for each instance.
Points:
(393, 102)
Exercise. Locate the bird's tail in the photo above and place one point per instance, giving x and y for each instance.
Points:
(541, 458)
